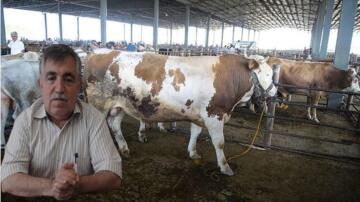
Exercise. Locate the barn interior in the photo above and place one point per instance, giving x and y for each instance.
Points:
(305, 161)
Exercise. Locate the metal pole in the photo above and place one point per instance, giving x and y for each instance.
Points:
(103, 16)
(196, 38)
(326, 29)
(124, 31)
(60, 22)
(207, 32)
(3, 43)
(222, 34)
(171, 29)
(269, 125)
(242, 33)
(187, 18)
(155, 24)
(78, 27)
(140, 32)
(249, 35)
(318, 33)
(45, 23)
(254, 35)
(233, 34)
(131, 31)
(343, 43)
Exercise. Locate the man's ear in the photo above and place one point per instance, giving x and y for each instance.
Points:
(253, 64)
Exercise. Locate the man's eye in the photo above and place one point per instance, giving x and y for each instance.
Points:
(69, 79)
(51, 78)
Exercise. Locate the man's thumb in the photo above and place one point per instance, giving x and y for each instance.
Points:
(68, 166)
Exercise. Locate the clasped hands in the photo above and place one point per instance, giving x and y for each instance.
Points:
(66, 182)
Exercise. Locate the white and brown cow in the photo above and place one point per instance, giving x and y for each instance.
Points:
(202, 90)
(314, 75)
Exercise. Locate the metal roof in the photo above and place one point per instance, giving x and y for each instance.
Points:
(250, 14)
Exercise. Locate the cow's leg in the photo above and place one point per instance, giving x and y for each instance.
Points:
(172, 128)
(309, 102)
(215, 128)
(161, 126)
(114, 120)
(5, 105)
(141, 133)
(195, 132)
(315, 100)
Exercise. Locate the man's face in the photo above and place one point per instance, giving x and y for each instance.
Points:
(59, 84)
(14, 37)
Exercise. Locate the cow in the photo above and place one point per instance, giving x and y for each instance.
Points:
(319, 75)
(19, 77)
(201, 89)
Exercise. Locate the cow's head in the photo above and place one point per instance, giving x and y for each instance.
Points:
(262, 75)
(354, 79)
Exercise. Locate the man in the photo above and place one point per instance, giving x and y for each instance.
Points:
(60, 146)
(15, 44)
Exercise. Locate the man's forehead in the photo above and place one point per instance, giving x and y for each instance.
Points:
(66, 65)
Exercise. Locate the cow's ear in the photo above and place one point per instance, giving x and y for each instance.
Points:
(253, 64)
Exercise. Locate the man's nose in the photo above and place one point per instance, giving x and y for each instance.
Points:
(59, 86)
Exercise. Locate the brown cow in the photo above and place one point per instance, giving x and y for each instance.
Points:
(314, 75)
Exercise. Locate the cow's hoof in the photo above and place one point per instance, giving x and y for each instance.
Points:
(143, 139)
(163, 130)
(125, 153)
(194, 155)
(316, 120)
(171, 130)
(227, 171)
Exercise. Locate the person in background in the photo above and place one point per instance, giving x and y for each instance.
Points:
(60, 146)
(15, 44)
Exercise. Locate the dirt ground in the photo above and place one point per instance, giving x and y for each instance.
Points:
(161, 170)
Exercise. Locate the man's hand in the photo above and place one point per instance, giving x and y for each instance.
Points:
(65, 182)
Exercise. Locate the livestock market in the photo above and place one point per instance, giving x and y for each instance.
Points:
(180, 100)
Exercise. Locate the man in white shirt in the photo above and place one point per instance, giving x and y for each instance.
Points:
(15, 44)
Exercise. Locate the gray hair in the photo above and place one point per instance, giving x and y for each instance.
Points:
(13, 33)
(59, 52)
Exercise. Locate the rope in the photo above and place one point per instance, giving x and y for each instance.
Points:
(254, 138)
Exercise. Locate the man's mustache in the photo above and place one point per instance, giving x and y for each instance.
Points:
(58, 96)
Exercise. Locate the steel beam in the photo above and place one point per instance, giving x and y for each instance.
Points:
(45, 26)
(187, 19)
(60, 22)
(233, 34)
(242, 33)
(78, 27)
(171, 29)
(329, 4)
(343, 43)
(196, 37)
(222, 34)
(103, 16)
(318, 31)
(155, 24)
(207, 32)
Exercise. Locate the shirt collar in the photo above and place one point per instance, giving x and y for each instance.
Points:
(40, 111)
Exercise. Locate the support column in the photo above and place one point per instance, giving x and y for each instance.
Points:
(155, 24)
(124, 26)
(78, 27)
(326, 29)
(187, 19)
(242, 33)
(233, 35)
(171, 29)
(45, 24)
(196, 33)
(254, 35)
(140, 32)
(343, 43)
(60, 22)
(222, 34)
(131, 30)
(207, 32)
(103, 16)
(248, 34)
(318, 32)
(3, 40)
